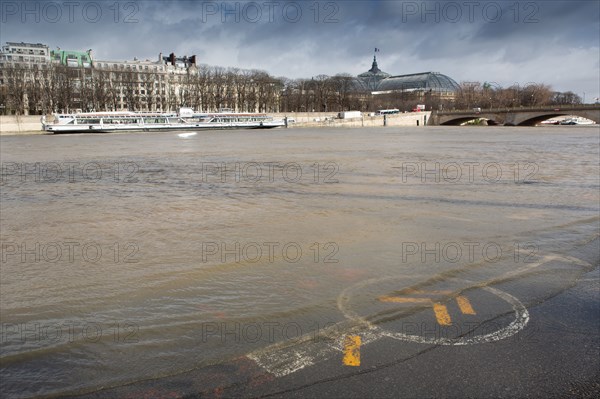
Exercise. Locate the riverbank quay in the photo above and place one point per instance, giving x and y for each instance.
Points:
(11, 125)
(325, 119)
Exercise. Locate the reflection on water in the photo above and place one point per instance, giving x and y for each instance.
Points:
(132, 256)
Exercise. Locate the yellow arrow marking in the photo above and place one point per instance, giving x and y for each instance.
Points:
(465, 305)
(352, 350)
(441, 314)
(441, 311)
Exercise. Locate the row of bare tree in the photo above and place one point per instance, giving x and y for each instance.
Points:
(323, 94)
(52, 88)
(475, 94)
(340, 93)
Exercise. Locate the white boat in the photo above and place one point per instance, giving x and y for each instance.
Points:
(105, 122)
(577, 121)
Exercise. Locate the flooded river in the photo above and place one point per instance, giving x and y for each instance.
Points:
(127, 257)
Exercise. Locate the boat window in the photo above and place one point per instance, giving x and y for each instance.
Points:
(90, 121)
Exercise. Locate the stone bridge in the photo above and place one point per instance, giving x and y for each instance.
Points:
(529, 116)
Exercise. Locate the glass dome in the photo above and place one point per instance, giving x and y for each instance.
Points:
(426, 81)
(373, 76)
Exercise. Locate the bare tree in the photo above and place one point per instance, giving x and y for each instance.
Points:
(203, 89)
(536, 94)
(34, 88)
(565, 98)
(101, 87)
(114, 90)
(16, 84)
(65, 89)
(342, 85)
(218, 83)
(3, 99)
(149, 87)
(129, 88)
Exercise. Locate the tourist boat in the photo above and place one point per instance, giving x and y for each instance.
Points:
(105, 122)
(577, 121)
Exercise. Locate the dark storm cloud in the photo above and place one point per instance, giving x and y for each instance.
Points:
(501, 41)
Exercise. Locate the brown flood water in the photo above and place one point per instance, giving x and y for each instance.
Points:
(134, 256)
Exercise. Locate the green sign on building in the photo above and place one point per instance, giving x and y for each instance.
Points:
(72, 58)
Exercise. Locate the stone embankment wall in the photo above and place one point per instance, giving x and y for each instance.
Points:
(11, 124)
(329, 119)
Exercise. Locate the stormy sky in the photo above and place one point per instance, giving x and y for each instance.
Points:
(503, 42)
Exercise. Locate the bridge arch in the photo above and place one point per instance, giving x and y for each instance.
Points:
(529, 120)
(492, 119)
(516, 116)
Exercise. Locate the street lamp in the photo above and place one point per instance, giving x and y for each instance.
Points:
(496, 87)
(534, 86)
(518, 96)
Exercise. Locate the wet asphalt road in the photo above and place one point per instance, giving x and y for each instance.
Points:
(557, 354)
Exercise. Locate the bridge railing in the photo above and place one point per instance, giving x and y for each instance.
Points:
(557, 108)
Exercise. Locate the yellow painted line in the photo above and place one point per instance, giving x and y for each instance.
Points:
(441, 314)
(352, 350)
(399, 299)
(465, 305)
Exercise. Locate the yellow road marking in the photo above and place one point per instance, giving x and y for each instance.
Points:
(441, 311)
(465, 305)
(441, 314)
(352, 350)
(398, 299)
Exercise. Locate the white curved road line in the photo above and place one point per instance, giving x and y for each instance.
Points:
(288, 357)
